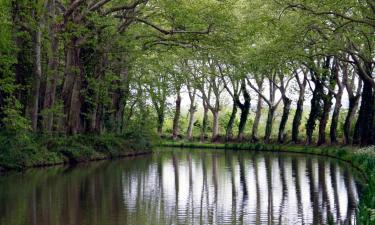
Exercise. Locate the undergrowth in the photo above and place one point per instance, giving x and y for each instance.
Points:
(18, 152)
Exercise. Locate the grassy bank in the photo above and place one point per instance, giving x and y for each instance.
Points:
(362, 159)
(19, 152)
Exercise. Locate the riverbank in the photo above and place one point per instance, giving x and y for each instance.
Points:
(362, 159)
(17, 153)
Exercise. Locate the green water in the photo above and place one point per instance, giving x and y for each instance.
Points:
(175, 186)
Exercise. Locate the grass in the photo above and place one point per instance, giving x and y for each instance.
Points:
(363, 159)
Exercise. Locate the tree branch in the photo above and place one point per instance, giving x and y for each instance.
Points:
(260, 93)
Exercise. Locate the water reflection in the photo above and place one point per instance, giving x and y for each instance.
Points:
(184, 187)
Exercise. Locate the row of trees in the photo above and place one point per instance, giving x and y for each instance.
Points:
(81, 66)
(209, 79)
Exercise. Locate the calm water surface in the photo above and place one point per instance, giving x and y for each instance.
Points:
(175, 186)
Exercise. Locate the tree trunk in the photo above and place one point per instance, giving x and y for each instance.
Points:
(94, 115)
(299, 110)
(335, 117)
(243, 119)
(204, 123)
(363, 129)
(36, 85)
(258, 114)
(314, 112)
(324, 119)
(353, 106)
(245, 108)
(229, 128)
(74, 122)
(269, 123)
(192, 110)
(100, 128)
(160, 123)
(176, 118)
(215, 125)
(284, 119)
(71, 89)
(297, 120)
(50, 93)
(52, 75)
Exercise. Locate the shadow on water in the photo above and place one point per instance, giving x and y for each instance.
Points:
(175, 186)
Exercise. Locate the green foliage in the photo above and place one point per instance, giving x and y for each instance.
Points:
(19, 152)
(13, 121)
(140, 129)
(16, 153)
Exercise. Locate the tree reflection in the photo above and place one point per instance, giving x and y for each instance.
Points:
(184, 187)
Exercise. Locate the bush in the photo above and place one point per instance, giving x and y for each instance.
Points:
(33, 150)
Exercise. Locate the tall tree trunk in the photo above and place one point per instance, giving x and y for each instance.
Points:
(51, 83)
(52, 75)
(120, 96)
(160, 122)
(176, 118)
(315, 111)
(335, 117)
(192, 110)
(269, 123)
(338, 97)
(258, 114)
(245, 108)
(319, 101)
(297, 120)
(324, 119)
(99, 127)
(284, 119)
(34, 108)
(74, 121)
(363, 129)
(204, 122)
(94, 115)
(215, 125)
(71, 89)
(299, 110)
(229, 128)
(353, 106)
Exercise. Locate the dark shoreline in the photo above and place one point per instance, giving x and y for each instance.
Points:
(70, 163)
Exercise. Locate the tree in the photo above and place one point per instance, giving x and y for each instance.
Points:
(299, 109)
(338, 97)
(258, 113)
(271, 102)
(354, 95)
(286, 109)
(192, 91)
(232, 86)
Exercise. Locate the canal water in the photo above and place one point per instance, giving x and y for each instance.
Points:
(175, 186)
